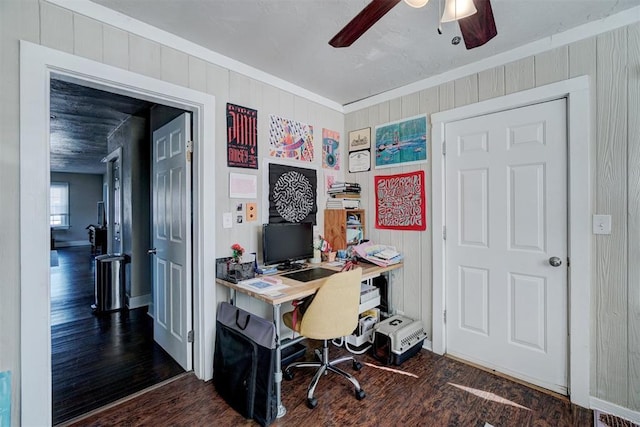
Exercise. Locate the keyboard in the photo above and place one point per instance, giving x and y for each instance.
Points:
(310, 274)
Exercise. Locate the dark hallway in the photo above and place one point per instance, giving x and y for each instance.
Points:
(97, 359)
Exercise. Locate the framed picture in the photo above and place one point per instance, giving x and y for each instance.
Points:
(360, 161)
(360, 139)
(401, 143)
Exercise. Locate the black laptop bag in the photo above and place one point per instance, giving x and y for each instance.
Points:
(244, 361)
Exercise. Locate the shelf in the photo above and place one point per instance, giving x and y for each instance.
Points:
(368, 305)
(337, 223)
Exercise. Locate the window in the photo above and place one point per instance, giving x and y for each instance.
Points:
(59, 205)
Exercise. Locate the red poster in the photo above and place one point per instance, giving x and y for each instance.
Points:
(400, 201)
(242, 137)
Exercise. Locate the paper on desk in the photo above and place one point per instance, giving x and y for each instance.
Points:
(368, 251)
(260, 286)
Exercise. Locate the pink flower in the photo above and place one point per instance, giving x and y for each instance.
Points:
(237, 251)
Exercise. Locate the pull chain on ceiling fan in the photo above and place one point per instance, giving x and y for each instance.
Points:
(474, 16)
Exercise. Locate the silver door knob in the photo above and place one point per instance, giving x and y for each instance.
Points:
(151, 251)
(555, 261)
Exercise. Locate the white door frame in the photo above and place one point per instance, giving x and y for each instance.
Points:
(37, 64)
(576, 91)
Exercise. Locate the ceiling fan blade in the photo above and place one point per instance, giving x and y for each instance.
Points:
(362, 22)
(480, 27)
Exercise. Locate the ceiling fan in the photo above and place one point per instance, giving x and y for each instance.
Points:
(475, 18)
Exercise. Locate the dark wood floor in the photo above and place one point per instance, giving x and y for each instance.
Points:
(97, 360)
(426, 390)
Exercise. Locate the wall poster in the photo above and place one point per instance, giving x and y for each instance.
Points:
(330, 149)
(401, 202)
(401, 143)
(329, 178)
(292, 194)
(242, 137)
(289, 139)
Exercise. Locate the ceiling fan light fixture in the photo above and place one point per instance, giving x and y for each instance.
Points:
(416, 3)
(457, 9)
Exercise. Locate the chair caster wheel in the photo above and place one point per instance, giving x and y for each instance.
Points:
(288, 375)
(357, 365)
(312, 403)
(360, 394)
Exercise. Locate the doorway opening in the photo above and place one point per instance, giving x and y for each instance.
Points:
(102, 351)
(38, 65)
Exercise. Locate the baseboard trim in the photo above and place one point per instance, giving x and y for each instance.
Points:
(69, 243)
(139, 301)
(613, 409)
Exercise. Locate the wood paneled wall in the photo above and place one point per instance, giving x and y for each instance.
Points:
(52, 26)
(612, 61)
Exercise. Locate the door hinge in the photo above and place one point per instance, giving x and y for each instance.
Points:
(444, 232)
(190, 336)
(189, 150)
(568, 262)
(444, 316)
(444, 148)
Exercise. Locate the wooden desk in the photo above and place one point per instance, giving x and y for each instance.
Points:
(296, 290)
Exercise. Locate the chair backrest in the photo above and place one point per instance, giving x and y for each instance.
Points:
(333, 313)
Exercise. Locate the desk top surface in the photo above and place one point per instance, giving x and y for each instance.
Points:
(296, 290)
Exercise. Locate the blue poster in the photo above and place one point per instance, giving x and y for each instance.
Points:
(401, 143)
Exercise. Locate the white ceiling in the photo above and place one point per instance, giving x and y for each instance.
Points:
(289, 38)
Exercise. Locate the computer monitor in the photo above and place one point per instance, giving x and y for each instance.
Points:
(286, 242)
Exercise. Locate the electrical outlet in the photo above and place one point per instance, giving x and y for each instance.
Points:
(602, 224)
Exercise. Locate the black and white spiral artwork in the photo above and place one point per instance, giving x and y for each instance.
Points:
(292, 194)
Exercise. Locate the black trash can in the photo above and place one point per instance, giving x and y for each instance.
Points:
(109, 283)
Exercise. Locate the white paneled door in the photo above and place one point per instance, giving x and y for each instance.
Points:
(171, 171)
(506, 242)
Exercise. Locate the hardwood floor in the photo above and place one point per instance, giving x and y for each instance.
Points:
(97, 359)
(426, 390)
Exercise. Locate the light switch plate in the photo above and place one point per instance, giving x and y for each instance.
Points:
(602, 224)
(227, 220)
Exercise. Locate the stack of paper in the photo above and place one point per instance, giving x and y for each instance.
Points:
(369, 252)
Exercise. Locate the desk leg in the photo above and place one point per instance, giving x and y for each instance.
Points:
(278, 369)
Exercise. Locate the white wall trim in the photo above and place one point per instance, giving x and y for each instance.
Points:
(613, 409)
(69, 243)
(37, 64)
(581, 32)
(576, 91)
(139, 301)
(139, 28)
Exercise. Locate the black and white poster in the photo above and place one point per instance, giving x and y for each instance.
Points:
(292, 194)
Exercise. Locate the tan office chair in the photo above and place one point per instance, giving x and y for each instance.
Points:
(332, 314)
